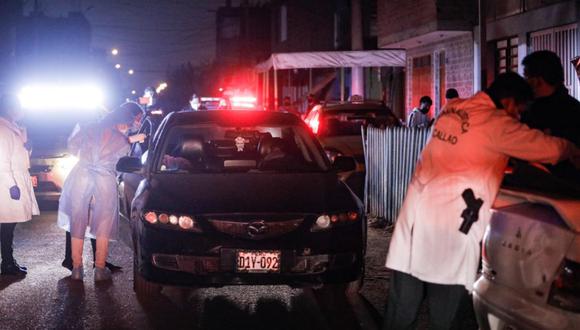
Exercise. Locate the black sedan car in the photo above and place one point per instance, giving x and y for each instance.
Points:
(239, 197)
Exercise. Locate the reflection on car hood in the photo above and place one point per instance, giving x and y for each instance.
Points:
(249, 193)
(348, 145)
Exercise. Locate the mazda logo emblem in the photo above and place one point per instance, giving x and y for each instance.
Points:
(257, 228)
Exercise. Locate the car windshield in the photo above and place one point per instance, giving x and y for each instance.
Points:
(216, 148)
(349, 122)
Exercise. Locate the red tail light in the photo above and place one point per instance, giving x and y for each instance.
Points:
(313, 121)
(565, 291)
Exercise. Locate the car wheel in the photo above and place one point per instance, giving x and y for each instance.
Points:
(356, 285)
(142, 287)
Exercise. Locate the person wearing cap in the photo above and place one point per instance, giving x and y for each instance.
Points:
(89, 203)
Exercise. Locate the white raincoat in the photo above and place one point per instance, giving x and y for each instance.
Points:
(93, 178)
(14, 165)
(469, 148)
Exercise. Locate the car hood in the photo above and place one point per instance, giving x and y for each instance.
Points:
(249, 193)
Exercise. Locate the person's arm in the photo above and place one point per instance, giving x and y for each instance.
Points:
(413, 119)
(518, 140)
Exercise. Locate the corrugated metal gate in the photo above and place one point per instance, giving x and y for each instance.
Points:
(390, 157)
(563, 41)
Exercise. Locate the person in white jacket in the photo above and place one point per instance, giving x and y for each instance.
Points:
(471, 142)
(17, 201)
(89, 202)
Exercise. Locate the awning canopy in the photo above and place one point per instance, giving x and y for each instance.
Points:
(369, 58)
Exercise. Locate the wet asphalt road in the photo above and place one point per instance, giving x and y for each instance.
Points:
(48, 299)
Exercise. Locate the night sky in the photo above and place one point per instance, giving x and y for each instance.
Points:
(150, 34)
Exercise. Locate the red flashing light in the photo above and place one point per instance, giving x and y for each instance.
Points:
(243, 102)
(314, 121)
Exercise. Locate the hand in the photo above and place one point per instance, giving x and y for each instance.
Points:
(137, 138)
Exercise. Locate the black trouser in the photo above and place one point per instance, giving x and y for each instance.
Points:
(6, 239)
(406, 294)
(68, 252)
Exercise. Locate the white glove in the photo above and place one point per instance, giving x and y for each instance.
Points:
(137, 138)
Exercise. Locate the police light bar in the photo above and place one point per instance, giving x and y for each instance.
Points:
(245, 102)
(61, 97)
(210, 99)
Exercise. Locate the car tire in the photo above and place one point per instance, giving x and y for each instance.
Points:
(144, 289)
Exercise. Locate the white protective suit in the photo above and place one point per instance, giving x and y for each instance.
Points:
(98, 149)
(469, 148)
(14, 165)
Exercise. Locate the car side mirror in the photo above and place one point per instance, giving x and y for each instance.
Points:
(344, 164)
(129, 164)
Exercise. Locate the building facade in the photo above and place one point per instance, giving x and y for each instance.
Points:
(441, 38)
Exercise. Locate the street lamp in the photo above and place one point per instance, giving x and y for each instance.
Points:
(117, 66)
(114, 51)
(130, 71)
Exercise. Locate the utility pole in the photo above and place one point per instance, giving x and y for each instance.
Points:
(357, 77)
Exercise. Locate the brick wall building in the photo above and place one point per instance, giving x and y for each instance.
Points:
(441, 38)
(439, 41)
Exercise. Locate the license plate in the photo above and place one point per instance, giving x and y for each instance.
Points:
(34, 179)
(258, 261)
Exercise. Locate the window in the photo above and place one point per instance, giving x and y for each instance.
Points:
(283, 23)
(216, 148)
(506, 55)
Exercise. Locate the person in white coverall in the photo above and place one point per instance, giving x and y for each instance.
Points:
(93, 180)
(471, 142)
(17, 201)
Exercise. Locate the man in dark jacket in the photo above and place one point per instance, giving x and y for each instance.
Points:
(553, 111)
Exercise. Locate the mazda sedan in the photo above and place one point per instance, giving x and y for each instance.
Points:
(238, 197)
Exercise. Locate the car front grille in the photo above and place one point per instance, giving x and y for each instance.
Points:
(257, 229)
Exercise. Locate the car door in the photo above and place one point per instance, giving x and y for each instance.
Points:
(128, 183)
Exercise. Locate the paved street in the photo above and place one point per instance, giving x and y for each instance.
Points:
(48, 299)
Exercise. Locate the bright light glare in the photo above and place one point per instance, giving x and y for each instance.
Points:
(131, 71)
(117, 66)
(114, 51)
(63, 167)
(161, 87)
(55, 97)
(133, 92)
(243, 101)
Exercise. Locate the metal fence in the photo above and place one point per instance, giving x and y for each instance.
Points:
(390, 157)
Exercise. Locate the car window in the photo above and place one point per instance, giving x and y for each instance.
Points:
(259, 149)
(139, 149)
(346, 123)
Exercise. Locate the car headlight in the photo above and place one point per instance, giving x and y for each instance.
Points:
(173, 221)
(328, 221)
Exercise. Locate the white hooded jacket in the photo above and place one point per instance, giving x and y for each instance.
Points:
(469, 148)
(14, 164)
